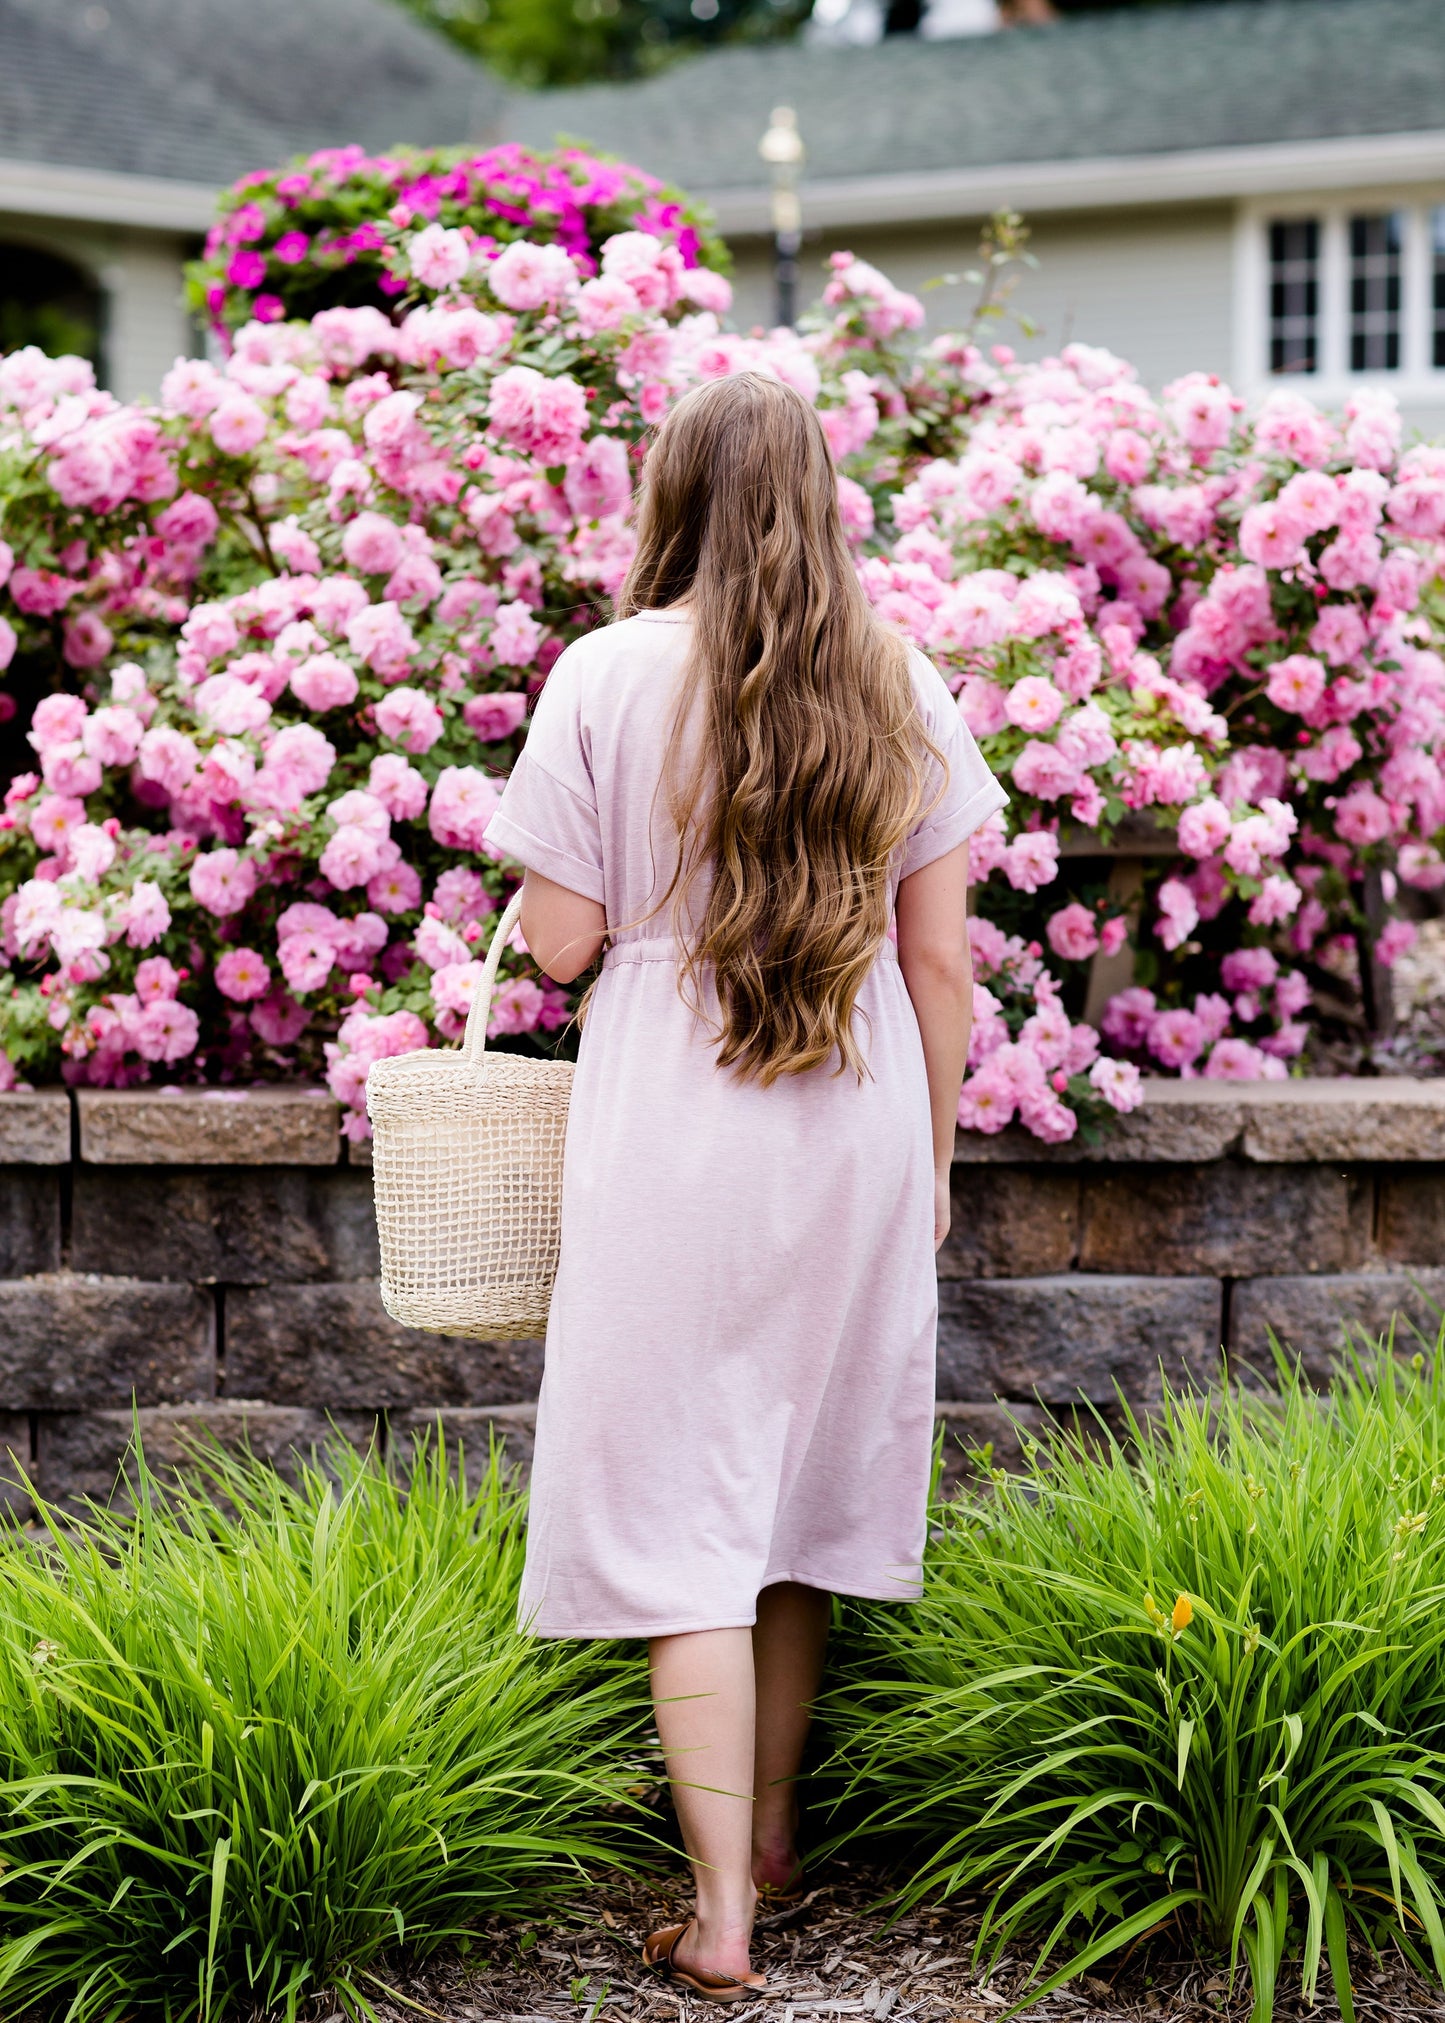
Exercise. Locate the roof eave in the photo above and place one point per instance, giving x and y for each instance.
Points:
(104, 197)
(1101, 182)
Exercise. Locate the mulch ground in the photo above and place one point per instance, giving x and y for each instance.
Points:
(835, 1954)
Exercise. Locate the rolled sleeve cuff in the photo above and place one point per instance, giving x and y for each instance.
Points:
(545, 858)
(936, 840)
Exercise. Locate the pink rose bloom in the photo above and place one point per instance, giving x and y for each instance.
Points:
(599, 481)
(335, 601)
(409, 718)
(1113, 934)
(211, 631)
(391, 424)
(372, 544)
(1203, 411)
(9, 640)
(231, 706)
(987, 1103)
(465, 600)
(382, 638)
(1362, 817)
(515, 636)
(86, 639)
(1072, 934)
(1033, 704)
(1276, 900)
(1176, 1038)
(605, 304)
(452, 989)
(415, 577)
(981, 705)
(189, 521)
(156, 978)
(237, 426)
(54, 820)
(1032, 860)
(398, 786)
(855, 509)
(1248, 969)
(1128, 1016)
(352, 856)
(1179, 915)
(1119, 1083)
(463, 801)
(278, 1021)
(652, 270)
(460, 895)
(1421, 865)
(396, 890)
(495, 716)
(1235, 1061)
(242, 975)
(516, 1008)
(1204, 828)
(1339, 634)
(143, 915)
(1297, 682)
(69, 770)
(438, 945)
(308, 402)
(298, 762)
(1044, 771)
(324, 682)
(525, 276)
(166, 1031)
(58, 720)
(306, 960)
(223, 881)
(438, 258)
(112, 735)
(545, 417)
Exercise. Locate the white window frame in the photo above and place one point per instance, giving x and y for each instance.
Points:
(1417, 379)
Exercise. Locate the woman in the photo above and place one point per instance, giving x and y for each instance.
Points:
(734, 791)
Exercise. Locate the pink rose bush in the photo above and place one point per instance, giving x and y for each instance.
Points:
(341, 228)
(295, 611)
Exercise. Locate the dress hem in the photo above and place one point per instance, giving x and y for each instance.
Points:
(855, 1590)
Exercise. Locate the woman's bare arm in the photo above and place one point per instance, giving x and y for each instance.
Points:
(933, 953)
(563, 931)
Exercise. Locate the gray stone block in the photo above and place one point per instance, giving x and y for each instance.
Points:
(203, 1127)
(1312, 1316)
(224, 1224)
(1076, 1335)
(468, 1430)
(991, 1432)
(86, 1456)
(29, 1220)
(69, 1341)
(1228, 1219)
(35, 1127)
(1392, 1118)
(336, 1346)
(1011, 1222)
(15, 1464)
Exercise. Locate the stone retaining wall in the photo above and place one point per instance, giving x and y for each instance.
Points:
(210, 1259)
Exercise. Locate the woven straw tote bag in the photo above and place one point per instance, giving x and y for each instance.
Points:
(467, 1166)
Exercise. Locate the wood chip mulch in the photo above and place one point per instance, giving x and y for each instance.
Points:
(836, 1955)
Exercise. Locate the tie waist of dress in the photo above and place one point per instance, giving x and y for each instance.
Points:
(663, 948)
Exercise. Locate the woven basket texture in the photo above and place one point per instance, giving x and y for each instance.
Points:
(467, 1172)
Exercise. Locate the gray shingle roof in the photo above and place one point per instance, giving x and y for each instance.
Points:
(202, 90)
(1137, 82)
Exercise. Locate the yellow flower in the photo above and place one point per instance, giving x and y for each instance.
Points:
(1182, 1615)
(1154, 1612)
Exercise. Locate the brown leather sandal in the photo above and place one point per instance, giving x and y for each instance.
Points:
(658, 1952)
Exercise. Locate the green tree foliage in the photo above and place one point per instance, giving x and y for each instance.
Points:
(542, 42)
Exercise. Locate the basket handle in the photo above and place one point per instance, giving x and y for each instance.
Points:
(474, 1041)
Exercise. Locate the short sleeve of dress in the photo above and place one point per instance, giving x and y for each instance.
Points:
(547, 818)
(969, 794)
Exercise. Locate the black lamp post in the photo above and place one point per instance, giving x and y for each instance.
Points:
(781, 147)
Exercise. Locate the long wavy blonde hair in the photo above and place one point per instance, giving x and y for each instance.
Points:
(809, 766)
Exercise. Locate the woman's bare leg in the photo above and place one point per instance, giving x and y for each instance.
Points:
(788, 1646)
(703, 1686)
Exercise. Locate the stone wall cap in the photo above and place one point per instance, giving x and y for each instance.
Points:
(35, 1127)
(209, 1127)
(1387, 1119)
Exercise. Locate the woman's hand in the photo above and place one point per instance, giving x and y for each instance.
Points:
(942, 1205)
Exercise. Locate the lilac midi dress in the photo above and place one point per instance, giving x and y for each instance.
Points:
(739, 1369)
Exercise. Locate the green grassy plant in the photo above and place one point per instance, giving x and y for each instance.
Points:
(1198, 1677)
(242, 1751)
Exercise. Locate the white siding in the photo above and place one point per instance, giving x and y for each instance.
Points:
(147, 325)
(1155, 286)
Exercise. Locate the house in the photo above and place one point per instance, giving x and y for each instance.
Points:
(1253, 187)
(120, 119)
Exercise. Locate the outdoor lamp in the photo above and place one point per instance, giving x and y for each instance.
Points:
(781, 147)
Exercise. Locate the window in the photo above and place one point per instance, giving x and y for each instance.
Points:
(1294, 295)
(1437, 286)
(1375, 244)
